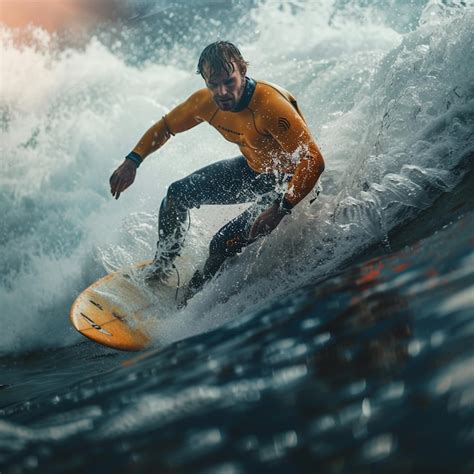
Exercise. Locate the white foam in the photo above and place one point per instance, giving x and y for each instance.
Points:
(391, 110)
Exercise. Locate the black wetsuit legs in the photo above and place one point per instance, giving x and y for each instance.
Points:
(225, 182)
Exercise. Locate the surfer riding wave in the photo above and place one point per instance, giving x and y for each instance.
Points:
(279, 164)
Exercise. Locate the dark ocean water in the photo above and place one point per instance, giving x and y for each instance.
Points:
(371, 370)
(343, 343)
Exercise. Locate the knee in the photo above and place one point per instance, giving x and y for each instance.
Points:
(177, 197)
(176, 192)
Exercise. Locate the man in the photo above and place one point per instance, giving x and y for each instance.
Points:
(280, 162)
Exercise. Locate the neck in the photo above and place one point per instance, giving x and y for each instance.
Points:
(248, 88)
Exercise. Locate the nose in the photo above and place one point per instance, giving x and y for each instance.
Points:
(221, 90)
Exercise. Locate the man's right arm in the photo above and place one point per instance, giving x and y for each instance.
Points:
(181, 118)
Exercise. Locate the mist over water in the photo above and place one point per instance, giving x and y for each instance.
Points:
(387, 92)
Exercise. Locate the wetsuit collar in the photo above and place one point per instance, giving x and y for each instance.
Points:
(249, 89)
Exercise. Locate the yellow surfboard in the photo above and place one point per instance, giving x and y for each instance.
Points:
(120, 309)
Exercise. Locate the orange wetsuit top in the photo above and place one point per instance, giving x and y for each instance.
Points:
(269, 130)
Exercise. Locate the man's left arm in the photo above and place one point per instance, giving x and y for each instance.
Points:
(288, 128)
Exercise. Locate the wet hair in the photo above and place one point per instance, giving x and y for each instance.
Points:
(219, 56)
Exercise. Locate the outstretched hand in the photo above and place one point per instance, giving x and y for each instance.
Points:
(266, 221)
(122, 178)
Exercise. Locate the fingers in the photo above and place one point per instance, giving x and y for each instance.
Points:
(264, 229)
(264, 225)
(259, 229)
(113, 183)
(116, 185)
(120, 180)
(119, 186)
(253, 232)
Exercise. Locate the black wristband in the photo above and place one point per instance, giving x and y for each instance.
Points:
(135, 157)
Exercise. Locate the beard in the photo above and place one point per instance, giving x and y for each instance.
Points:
(229, 103)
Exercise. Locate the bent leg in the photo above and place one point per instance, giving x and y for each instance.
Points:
(225, 182)
(227, 242)
(234, 236)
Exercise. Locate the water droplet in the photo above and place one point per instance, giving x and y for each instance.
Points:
(437, 338)
(357, 387)
(322, 424)
(379, 447)
(414, 348)
(366, 409)
(322, 338)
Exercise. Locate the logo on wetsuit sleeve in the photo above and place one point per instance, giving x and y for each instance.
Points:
(283, 124)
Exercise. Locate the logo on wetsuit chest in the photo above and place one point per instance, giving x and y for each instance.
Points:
(229, 130)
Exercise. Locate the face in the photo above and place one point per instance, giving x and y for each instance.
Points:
(226, 89)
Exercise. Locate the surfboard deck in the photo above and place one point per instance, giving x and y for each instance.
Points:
(120, 309)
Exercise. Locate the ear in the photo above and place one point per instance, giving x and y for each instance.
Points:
(243, 70)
